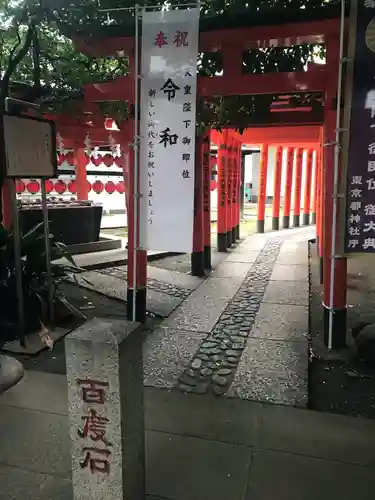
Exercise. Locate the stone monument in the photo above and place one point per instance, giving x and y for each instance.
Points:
(106, 422)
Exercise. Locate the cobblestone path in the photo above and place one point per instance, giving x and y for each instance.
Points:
(213, 367)
(159, 286)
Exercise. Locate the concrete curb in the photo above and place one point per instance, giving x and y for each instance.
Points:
(124, 261)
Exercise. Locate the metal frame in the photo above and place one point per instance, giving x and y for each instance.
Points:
(17, 239)
(136, 194)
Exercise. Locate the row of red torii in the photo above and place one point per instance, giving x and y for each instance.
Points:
(319, 78)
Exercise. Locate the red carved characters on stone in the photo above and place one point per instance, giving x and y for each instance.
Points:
(93, 390)
(97, 459)
(94, 429)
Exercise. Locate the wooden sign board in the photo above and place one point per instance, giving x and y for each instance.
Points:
(28, 147)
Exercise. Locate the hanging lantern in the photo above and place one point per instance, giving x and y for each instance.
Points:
(33, 186)
(88, 184)
(120, 187)
(69, 158)
(98, 187)
(108, 160)
(88, 144)
(96, 158)
(49, 186)
(60, 187)
(20, 186)
(72, 187)
(110, 187)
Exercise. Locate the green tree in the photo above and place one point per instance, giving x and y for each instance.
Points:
(39, 64)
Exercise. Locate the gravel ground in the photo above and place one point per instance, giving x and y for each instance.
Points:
(93, 305)
(341, 383)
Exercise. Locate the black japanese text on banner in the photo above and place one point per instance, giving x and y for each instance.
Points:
(360, 196)
(167, 128)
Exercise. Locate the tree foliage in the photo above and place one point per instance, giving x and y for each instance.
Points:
(29, 32)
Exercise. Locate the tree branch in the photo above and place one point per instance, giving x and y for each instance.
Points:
(14, 61)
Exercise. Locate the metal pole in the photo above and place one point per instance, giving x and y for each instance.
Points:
(336, 174)
(17, 259)
(17, 251)
(47, 248)
(136, 158)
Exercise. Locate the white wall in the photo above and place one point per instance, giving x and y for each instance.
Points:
(252, 172)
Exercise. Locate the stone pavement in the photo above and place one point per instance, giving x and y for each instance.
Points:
(196, 448)
(165, 289)
(243, 331)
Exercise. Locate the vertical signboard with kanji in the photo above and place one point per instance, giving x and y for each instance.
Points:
(360, 195)
(167, 129)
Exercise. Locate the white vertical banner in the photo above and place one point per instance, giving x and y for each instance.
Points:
(167, 128)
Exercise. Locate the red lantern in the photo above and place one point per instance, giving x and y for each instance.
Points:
(96, 160)
(33, 187)
(88, 184)
(49, 186)
(60, 187)
(69, 158)
(110, 187)
(118, 161)
(108, 160)
(120, 187)
(98, 187)
(20, 186)
(72, 187)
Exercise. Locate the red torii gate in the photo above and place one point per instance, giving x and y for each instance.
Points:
(233, 82)
(305, 138)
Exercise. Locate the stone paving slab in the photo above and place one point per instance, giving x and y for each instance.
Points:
(254, 242)
(287, 292)
(214, 471)
(317, 434)
(234, 422)
(285, 272)
(295, 254)
(15, 483)
(289, 477)
(166, 354)
(95, 260)
(158, 303)
(272, 371)
(202, 309)
(54, 488)
(175, 278)
(34, 393)
(35, 441)
(230, 269)
(281, 322)
(245, 256)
